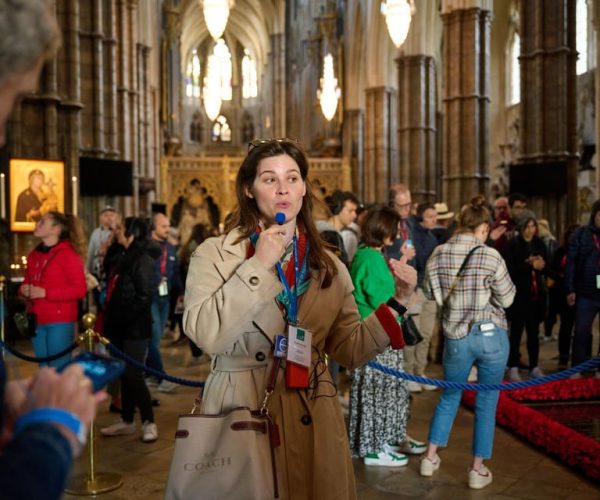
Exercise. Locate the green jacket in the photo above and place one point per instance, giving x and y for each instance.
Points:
(372, 278)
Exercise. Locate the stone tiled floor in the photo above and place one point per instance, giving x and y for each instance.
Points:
(520, 471)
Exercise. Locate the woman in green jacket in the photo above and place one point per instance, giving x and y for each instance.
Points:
(378, 402)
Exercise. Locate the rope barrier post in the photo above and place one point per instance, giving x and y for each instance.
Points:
(92, 483)
(2, 285)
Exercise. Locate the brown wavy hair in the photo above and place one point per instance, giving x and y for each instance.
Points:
(473, 215)
(246, 215)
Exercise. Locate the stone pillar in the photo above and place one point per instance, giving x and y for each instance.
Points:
(597, 92)
(123, 80)
(466, 100)
(134, 95)
(548, 110)
(98, 76)
(278, 71)
(110, 84)
(171, 72)
(353, 144)
(380, 143)
(417, 125)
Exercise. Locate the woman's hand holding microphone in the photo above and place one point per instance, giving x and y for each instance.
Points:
(273, 241)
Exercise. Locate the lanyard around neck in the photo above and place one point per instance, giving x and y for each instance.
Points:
(292, 294)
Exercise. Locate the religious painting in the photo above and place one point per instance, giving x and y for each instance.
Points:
(36, 188)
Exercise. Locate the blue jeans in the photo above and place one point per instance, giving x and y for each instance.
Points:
(488, 350)
(160, 314)
(53, 338)
(586, 309)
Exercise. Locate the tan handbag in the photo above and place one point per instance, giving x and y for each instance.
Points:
(227, 456)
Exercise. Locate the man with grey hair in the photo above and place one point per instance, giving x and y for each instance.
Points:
(43, 420)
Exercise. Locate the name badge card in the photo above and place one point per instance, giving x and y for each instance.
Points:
(598, 281)
(281, 346)
(299, 346)
(163, 288)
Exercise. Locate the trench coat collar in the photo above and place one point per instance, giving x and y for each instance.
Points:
(230, 246)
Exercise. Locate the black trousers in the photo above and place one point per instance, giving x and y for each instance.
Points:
(529, 320)
(134, 392)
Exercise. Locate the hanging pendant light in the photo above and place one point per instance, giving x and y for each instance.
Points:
(211, 92)
(398, 14)
(329, 93)
(216, 14)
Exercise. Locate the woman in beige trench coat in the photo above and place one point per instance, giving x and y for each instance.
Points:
(234, 310)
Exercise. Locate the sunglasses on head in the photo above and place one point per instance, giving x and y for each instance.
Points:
(260, 142)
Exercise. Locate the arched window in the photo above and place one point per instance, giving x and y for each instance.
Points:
(192, 77)
(220, 130)
(515, 69)
(223, 59)
(581, 38)
(249, 76)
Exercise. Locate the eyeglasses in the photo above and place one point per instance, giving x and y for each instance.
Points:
(260, 142)
(404, 206)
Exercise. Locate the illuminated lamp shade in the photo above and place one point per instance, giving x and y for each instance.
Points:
(216, 14)
(211, 92)
(398, 14)
(329, 93)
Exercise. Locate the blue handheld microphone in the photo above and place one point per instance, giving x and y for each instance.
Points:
(280, 218)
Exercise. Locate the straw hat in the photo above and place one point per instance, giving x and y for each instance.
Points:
(442, 211)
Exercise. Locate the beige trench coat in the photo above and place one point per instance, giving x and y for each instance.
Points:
(231, 313)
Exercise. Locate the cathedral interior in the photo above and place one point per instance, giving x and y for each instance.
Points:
(147, 105)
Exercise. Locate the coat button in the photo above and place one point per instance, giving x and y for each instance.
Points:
(306, 419)
(254, 280)
(260, 356)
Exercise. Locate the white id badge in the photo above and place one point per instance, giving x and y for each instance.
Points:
(299, 346)
(598, 281)
(163, 288)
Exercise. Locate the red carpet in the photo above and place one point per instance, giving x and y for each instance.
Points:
(539, 428)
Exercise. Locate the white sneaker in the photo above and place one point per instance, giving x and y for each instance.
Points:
(427, 467)
(149, 432)
(429, 387)
(386, 459)
(166, 386)
(414, 386)
(151, 382)
(513, 374)
(479, 479)
(119, 429)
(536, 373)
(409, 447)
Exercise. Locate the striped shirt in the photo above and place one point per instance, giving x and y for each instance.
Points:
(482, 292)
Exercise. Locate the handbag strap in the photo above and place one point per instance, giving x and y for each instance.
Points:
(271, 381)
(458, 275)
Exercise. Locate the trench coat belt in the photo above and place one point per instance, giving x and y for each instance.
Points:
(222, 363)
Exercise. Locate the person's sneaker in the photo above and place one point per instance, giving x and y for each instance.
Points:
(428, 467)
(408, 447)
(536, 373)
(513, 374)
(119, 429)
(386, 459)
(479, 479)
(472, 375)
(429, 387)
(414, 386)
(151, 382)
(166, 386)
(576, 376)
(149, 432)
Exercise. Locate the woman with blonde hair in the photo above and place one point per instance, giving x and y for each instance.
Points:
(470, 283)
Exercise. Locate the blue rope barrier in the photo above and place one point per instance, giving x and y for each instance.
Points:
(586, 365)
(152, 371)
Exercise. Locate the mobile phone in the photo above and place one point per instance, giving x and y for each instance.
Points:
(409, 243)
(101, 370)
(504, 222)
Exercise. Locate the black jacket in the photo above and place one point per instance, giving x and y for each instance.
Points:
(583, 262)
(128, 315)
(516, 252)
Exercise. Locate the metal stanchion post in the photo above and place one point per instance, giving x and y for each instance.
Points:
(92, 483)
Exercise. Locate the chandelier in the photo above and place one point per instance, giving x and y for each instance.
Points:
(216, 14)
(398, 15)
(329, 93)
(211, 92)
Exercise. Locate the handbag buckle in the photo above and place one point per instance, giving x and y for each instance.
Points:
(197, 404)
(263, 407)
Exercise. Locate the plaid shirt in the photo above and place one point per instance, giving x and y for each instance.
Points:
(482, 292)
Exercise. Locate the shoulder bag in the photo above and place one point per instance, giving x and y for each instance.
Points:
(226, 456)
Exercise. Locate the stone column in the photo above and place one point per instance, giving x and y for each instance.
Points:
(417, 125)
(353, 144)
(466, 101)
(110, 83)
(98, 76)
(278, 72)
(597, 91)
(548, 110)
(380, 143)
